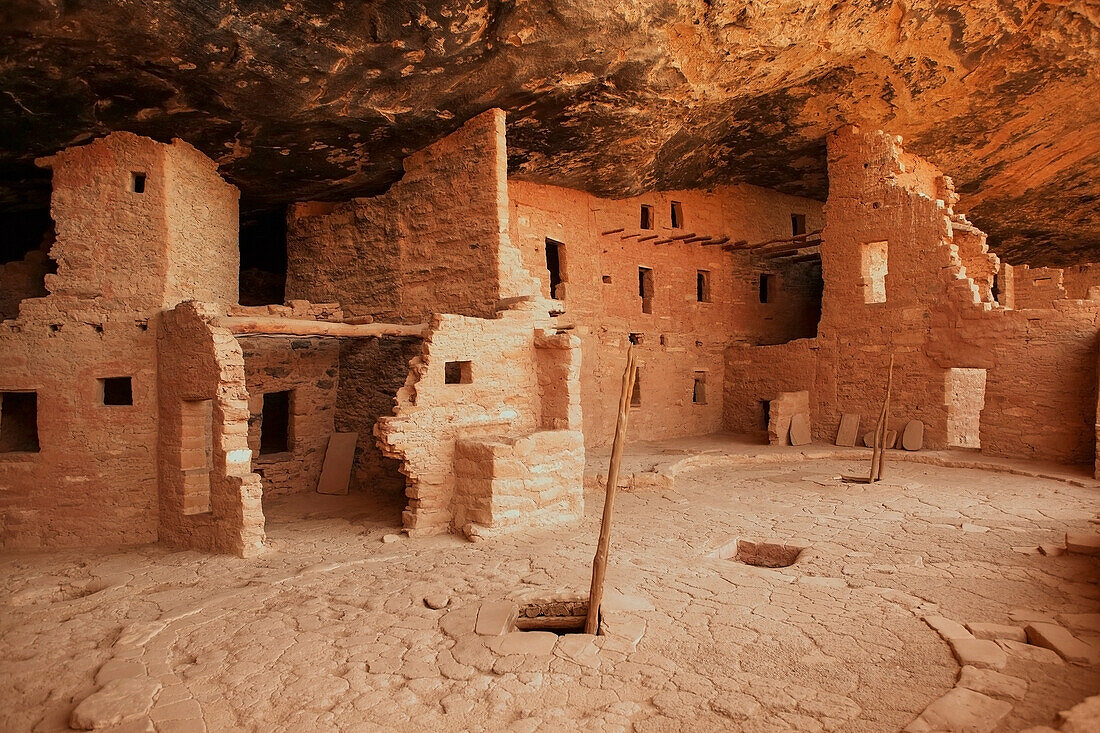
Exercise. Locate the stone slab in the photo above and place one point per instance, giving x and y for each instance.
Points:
(494, 619)
(336, 471)
(1083, 543)
(525, 642)
(980, 653)
(988, 682)
(912, 436)
(849, 429)
(947, 628)
(800, 429)
(961, 709)
(1037, 654)
(116, 702)
(1059, 640)
(1083, 717)
(997, 631)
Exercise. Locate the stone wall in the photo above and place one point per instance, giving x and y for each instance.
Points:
(309, 369)
(210, 499)
(1040, 365)
(22, 279)
(601, 251)
(436, 242)
(478, 380)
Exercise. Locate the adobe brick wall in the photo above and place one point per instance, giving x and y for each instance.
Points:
(502, 409)
(200, 362)
(94, 480)
(22, 279)
(435, 242)
(310, 369)
(681, 336)
(1041, 378)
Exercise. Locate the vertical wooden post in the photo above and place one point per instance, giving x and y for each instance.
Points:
(599, 562)
(886, 418)
(878, 454)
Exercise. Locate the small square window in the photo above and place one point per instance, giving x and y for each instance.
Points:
(606, 279)
(677, 215)
(699, 390)
(117, 391)
(457, 372)
(19, 422)
(798, 224)
(137, 182)
(702, 286)
(637, 338)
(647, 217)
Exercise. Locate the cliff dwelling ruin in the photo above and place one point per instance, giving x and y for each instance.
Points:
(296, 445)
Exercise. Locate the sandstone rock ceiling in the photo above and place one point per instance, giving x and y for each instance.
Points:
(303, 100)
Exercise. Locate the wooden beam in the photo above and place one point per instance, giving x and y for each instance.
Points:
(611, 231)
(648, 237)
(742, 244)
(275, 326)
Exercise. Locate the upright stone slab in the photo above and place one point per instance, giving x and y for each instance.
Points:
(912, 437)
(800, 429)
(336, 470)
(849, 430)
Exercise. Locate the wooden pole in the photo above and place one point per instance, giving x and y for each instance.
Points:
(275, 326)
(886, 418)
(599, 563)
(880, 429)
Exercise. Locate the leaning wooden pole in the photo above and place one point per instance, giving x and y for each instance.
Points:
(879, 450)
(886, 418)
(599, 563)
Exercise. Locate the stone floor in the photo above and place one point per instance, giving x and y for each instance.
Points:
(329, 630)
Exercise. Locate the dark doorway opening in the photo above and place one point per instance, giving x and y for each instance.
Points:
(554, 256)
(19, 422)
(263, 257)
(275, 423)
(27, 238)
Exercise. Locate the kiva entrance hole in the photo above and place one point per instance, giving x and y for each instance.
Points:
(557, 617)
(767, 554)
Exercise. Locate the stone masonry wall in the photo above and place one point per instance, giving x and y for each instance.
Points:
(210, 499)
(310, 370)
(1041, 380)
(434, 243)
(494, 398)
(681, 336)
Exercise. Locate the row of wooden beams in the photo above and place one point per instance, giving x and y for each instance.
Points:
(275, 326)
(744, 244)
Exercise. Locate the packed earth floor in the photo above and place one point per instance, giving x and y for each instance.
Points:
(334, 629)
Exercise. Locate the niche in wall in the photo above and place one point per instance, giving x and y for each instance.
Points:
(275, 423)
(263, 257)
(458, 372)
(702, 286)
(965, 397)
(677, 215)
(699, 388)
(798, 224)
(874, 258)
(19, 422)
(116, 391)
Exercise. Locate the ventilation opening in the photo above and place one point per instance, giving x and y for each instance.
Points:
(765, 413)
(702, 286)
(275, 423)
(677, 214)
(555, 252)
(196, 453)
(458, 372)
(965, 395)
(636, 393)
(874, 257)
(263, 257)
(699, 390)
(606, 279)
(647, 217)
(24, 258)
(117, 391)
(798, 224)
(645, 288)
(557, 617)
(767, 284)
(137, 182)
(19, 422)
(995, 288)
